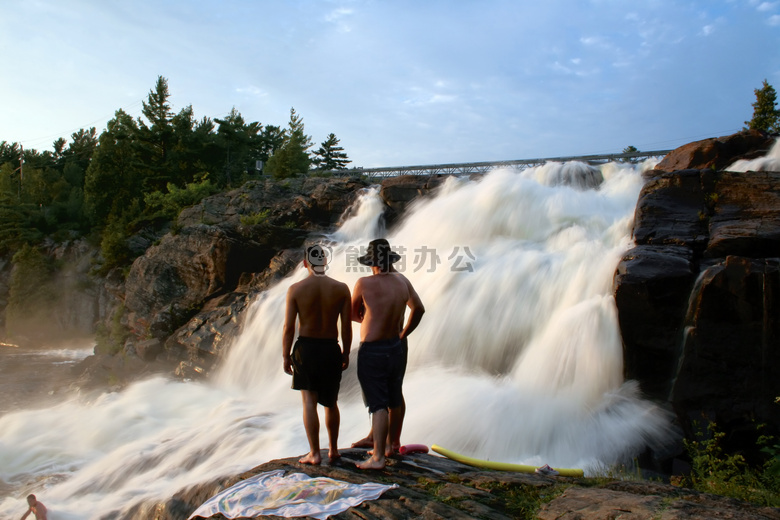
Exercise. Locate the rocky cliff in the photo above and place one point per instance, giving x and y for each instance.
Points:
(698, 297)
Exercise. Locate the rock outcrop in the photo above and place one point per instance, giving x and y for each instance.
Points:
(433, 487)
(716, 153)
(699, 296)
(191, 289)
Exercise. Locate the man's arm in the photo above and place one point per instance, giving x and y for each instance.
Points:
(346, 328)
(358, 305)
(290, 315)
(29, 510)
(417, 310)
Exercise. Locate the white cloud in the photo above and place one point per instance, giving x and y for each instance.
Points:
(426, 99)
(338, 17)
(338, 14)
(252, 91)
(766, 6)
(707, 30)
(774, 20)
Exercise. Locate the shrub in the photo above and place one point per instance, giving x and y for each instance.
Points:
(714, 471)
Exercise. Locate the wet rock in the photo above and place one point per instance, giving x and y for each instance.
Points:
(398, 192)
(433, 487)
(698, 296)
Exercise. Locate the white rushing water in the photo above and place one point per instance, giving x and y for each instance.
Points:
(518, 357)
(769, 163)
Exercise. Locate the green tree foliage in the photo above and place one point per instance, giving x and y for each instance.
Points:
(330, 156)
(10, 153)
(766, 116)
(242, 144)
(169, 205)
(140, 172)
(18, 222)
(155, 139)
(114, 178)
(630, 149)
(292, 158)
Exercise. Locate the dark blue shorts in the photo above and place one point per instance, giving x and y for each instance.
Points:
(381, 368)
(316, 366)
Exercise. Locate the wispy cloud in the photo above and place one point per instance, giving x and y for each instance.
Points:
(339, 17)
(252, 90)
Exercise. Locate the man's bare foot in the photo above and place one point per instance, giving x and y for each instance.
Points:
(367, 442)
(311, 458)
(392, 450)
(372, 463)
(334, 455)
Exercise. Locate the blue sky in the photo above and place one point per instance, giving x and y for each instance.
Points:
(399, 82)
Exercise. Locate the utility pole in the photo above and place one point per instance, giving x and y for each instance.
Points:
(21, 168)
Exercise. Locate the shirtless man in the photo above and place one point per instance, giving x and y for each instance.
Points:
(36, 508)
(396, 417)
(316, 363)
(379, 303)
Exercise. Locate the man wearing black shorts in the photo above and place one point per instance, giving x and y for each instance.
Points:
(379, 303)
(321, 304)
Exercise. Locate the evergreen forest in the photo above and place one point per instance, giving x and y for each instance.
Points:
(142, 172)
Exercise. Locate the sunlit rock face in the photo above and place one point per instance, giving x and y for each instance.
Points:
(717, 153)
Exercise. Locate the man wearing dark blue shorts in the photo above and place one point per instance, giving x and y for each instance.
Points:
(379, 303)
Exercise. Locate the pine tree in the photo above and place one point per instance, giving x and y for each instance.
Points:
(766, 116)
(331, 156)
(156, 139)
(292, 157)
(114, 176)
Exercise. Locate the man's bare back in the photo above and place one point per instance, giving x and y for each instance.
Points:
(382, 301)
(318, 301)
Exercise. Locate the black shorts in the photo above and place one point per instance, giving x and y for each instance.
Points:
(316, 366)
(381, 369)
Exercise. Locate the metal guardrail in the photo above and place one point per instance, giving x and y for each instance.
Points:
(484, 167)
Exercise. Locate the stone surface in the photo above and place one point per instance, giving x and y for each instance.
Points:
(698, 296)
(433, 487)
(717, 153)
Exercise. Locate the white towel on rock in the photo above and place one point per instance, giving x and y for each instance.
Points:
(289, 496)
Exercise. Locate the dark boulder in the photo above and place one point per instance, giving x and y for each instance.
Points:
(698, 297)
(398, 192)
(729, 362)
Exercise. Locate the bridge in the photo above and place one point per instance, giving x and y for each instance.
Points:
(484, 167)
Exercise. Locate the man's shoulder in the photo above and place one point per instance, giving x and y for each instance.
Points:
(339, 284)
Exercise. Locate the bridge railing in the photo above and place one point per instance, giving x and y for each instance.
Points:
(484, 167)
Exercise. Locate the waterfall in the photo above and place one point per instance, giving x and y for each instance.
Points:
(518, 357)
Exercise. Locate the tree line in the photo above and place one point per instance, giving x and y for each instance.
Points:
(142, 171)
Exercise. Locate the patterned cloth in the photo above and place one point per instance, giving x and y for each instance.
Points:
(295, 495)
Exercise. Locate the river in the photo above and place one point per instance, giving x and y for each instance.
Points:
(518, 357)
